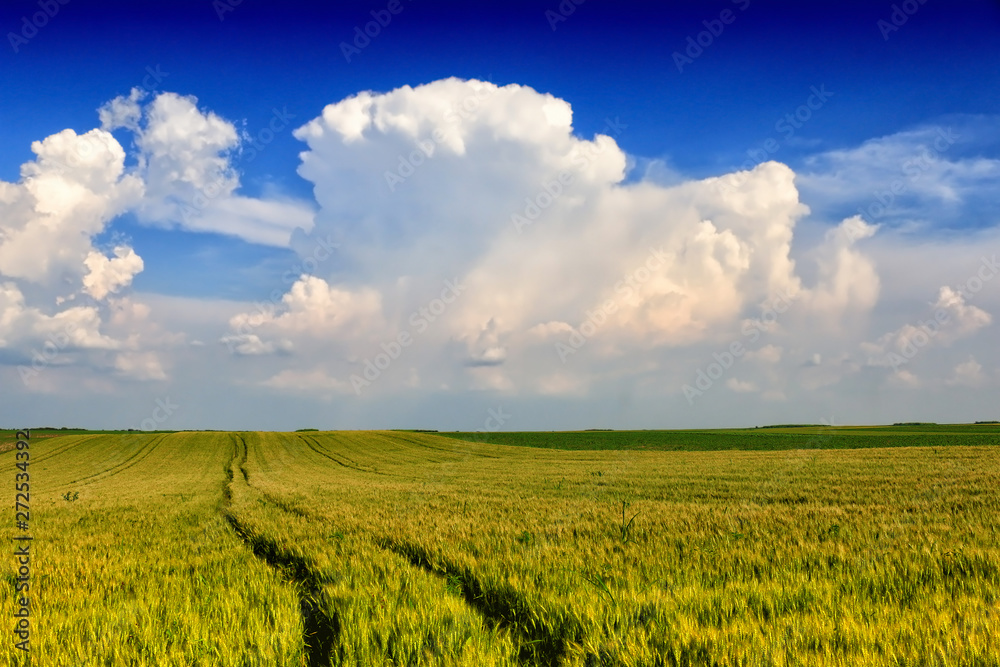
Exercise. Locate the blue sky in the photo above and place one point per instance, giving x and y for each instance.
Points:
(873, 94)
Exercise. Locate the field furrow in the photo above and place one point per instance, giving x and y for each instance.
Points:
(320, 629)
(140, 453)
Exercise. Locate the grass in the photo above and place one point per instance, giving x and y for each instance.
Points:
(412, 548)
(768, 438)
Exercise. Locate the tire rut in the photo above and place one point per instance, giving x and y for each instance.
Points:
(319, 449)
(505, 607)
(61, 449)
(122, 466)
(500, 608)
(321, 631)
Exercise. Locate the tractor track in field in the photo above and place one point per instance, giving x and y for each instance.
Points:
(320, 630)
(442, 447)
(501, 608)
(59, 449)
(121, 467)
(319, 449)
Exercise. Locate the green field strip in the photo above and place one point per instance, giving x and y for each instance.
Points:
(778, 439)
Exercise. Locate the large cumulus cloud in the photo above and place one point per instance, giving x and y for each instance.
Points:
(489, 187)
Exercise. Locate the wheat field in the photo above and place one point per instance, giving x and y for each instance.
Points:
(396, 548)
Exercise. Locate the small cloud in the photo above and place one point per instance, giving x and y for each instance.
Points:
(553, 328)
(493, 356)
(299, 382)
(122, 112)
(139, 366)
(967, 374)
(250, 345)
(485, 349)
(740, 386)
(905, 379)
(107, 275)
(770, 354)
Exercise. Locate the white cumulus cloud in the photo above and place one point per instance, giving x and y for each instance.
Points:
(492, 184)
(110, 274)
